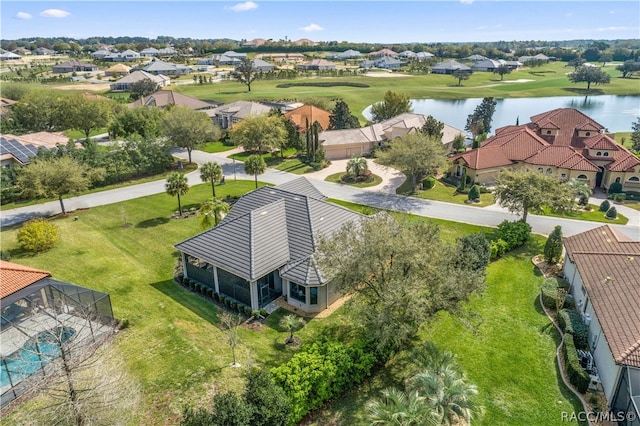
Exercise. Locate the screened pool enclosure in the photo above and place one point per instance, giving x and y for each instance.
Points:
(40, 321)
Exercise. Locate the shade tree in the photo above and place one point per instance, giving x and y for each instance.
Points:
(260, 134)
(589, 75)
(188, 129)
(255, 165)
(342, 118)
(393, 104)
(245, 72)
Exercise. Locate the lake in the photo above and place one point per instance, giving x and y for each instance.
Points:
(616, 113)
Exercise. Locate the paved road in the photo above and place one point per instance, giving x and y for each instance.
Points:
(455, 212)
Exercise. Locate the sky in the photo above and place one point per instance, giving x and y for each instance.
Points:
(354, 21)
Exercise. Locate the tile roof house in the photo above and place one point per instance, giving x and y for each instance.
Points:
(341, 144)
(149, 52)
(264, 248)
(260, 65)
(308, 114)
(317, 65)
(305, 42)
(126, 56)
(126, 82)
(602, 266)
(167, 97)
(347, 54)
(166, 68)
(449, 67)
(33, 305)
(226, 115)
(73, 66)
(255, 42)
(21, 149)
(563, 142)
(118, 70)
(383, 52)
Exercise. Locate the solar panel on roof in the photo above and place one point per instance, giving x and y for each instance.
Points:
(22, 153)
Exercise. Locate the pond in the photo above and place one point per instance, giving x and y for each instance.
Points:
(616, 113)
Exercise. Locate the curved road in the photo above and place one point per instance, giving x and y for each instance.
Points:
(435, 209)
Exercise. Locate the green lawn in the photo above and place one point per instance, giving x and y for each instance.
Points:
(79, 134)
(548, 80)
(273, 159)
(504, 343)
(373, 180)
(175, 350)
(213, 147)
(445, 192)
(295, 166)
(594, 215)
(187, 168)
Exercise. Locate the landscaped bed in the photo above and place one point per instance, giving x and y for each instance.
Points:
(362, 182)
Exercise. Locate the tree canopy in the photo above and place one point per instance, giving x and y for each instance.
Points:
(433, 127)
(255, 165)
(245, 73)
(392, 105)
(589, 75)
(480, 120)
(635, 135)
(143, 88)
(414, 154)
(187, 128)
(141, 120)
(88, 114)
(260, 133)
(342, 118)
(211, 172)
(177, 185)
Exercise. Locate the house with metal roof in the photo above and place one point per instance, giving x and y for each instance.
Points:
(259, 65)
(317, 65)
(36, 310)
(149, 52)
(158, 67)
(264, 248)
(602, 266)
(564, 142)
(226, 115)
(126, 56)
(126, 82)
(449, 67)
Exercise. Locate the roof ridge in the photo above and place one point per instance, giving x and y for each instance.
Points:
(625, 355)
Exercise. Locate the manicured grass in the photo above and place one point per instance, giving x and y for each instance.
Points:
(177, 353)
(632, 204)
(213, 147)
(504, 343)
(548, 80)
(445, 192)
(272, 159)
(186, 168)
(373, 180)
(594, 215)
(294, 165)
(624, 136)
(79, 134)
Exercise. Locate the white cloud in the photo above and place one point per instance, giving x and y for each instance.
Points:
(466, 1)
(54, 13)
(612, 12)
(243, 7)
(23, 15)
(612, 28)
(311, 28)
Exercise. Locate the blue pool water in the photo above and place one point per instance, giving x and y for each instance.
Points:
(36, 353)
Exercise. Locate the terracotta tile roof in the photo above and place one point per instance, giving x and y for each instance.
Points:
(601, 141)
(484, 158)
(163, 98)
(567, 120)
(300, 115)
(624, 162)
(47, 139)
(517, 144)
(609, 265)
(14, 277)
(561, 156)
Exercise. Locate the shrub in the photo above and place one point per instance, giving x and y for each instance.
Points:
(553, 246)
(615, 188)
(428, 182)
(322, 84)
(498, 248)
(233, 305)
(549, 292)
(612, 213)
(571, 322)
(180, 278)
(473, 252)
(474, 193)
(255, 313)
(577, 376)
(216, 296)
(619, 198)
(584, 200)
(247, 311)
(263, 312)
(38, 235)
(605, 205)
(515, 234)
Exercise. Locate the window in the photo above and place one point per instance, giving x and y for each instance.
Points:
(617, 180)
(598, 154)
(458, 170)
(540, 170)
(583, 177)
(606, 154)
(298, 292)
(634, 179)
(563, 176)
(588, 134)
(313, 295)
(549, 171)
(548, 132)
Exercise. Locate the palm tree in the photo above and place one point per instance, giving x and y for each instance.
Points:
(211, 172)
(399, 408)
(177, 185)
(292, 323)
(357, 166)
(213, 209)
(447, 393)
(580, 189)
(255, 165)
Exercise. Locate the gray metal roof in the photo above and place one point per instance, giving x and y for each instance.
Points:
(303, 187)
(267, 229)
(304, 271)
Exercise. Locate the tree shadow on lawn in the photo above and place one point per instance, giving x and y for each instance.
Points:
(150, 223)
(196, 304)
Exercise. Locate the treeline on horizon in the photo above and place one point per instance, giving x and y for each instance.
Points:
(565, 50)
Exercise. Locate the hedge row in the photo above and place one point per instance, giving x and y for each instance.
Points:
(322, 371)
(322, 84)
(578, 377)
(549, 292)
(509, 236)
(571, 322)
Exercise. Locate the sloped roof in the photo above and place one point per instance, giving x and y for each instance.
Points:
(383, 52)
(349, 53)
(10, 55)
(240, 109)
(157, 66)
(568, 120)
(267, 229)
(163, 98)
(624, 162)
(450, 65)
(300, 115)
(16, 277)
(476, 57)
(561, 156)
(319, 63)
(140, 75)
(609, 265)
(484, 158)
(304, 271)
(518, 144)
(601, 141)
(486, 63)
(367, 134)
(386, 61)
(118, 68)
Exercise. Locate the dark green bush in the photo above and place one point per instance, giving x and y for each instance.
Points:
(263, 312)
(428, 182)
(577, 376)
(615, 188)
(604, 206)
(180, 278)
(474, 193)
(498, 248)
(233, 305)
(549, 297)
(571, 322)
(620, 197)
(216, 296)
(515, 234)
(612, 213)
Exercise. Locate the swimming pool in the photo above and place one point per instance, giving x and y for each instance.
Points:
(34, 354)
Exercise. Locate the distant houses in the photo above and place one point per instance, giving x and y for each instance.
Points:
(260, 65)
(384, 62)
(73, 66)
(158, 67)
(227, 115)
(449, 67)
(166, 98)
(126, 82)
(10, 56)
(126, 56)
(317, 65)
